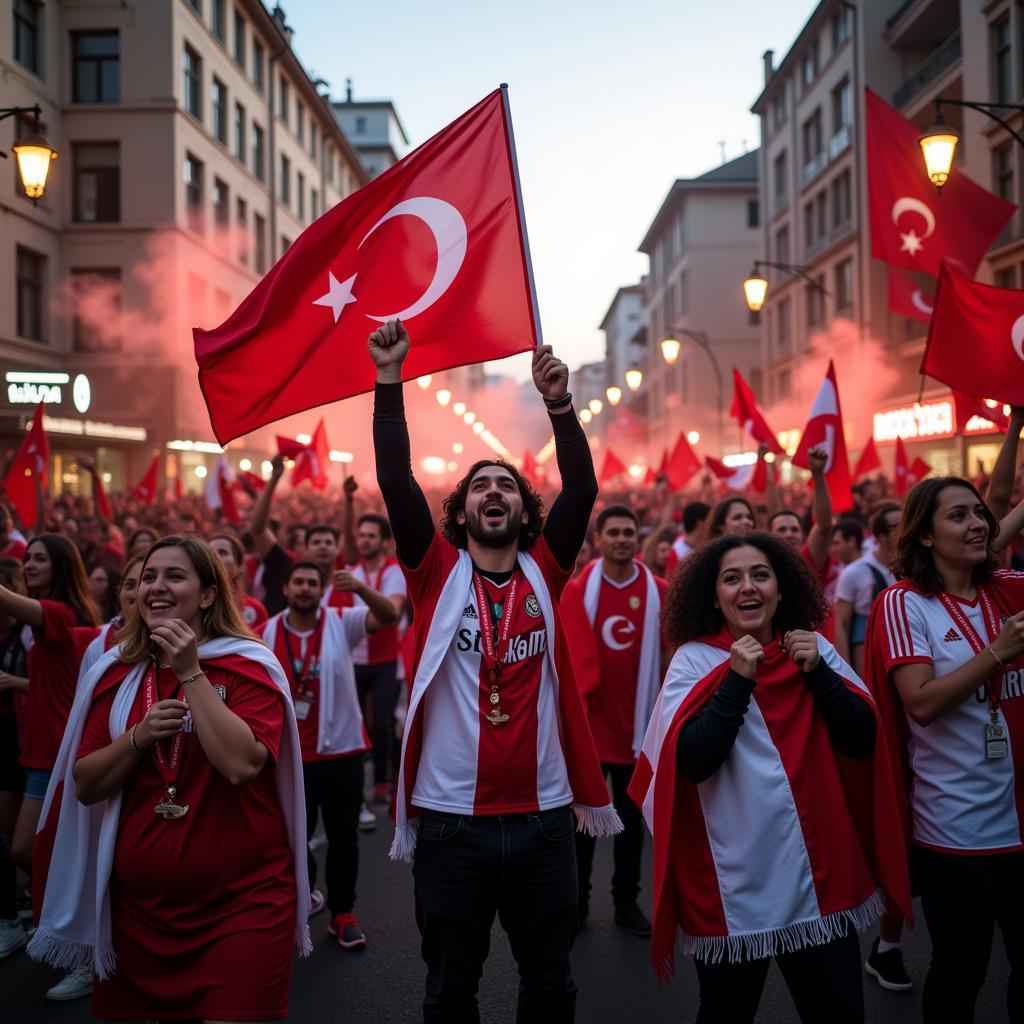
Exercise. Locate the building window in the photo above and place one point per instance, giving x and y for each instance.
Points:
(96, 170)
(27, 27)
(95, 67)
(259, 162)
(314, 204)
(221, 206)
(218, 20)
(812, 137)
(219, 104)
(240, 133)
(782, 246)
(809, 66)
(242, 223)
(194, 192)
(257, 64)
(779, 178)
(98, 303)
(196, 5)
(300, 194)
(283, 96)
(840, 28)
(259, 232)
(286, 180)
(239, 39)
(1003, 171)
(300, 122)
(30, 273)
(844, 285)
(192, 77)
(328, 152)
(816, 302)
(286, 244)
(1006, 277)
(312, 138)
(360, 125)
(753, 213)
(842, 115)
(783, 386)
(783, 335)
(841, 210)
(778, 112)
(1002, 67)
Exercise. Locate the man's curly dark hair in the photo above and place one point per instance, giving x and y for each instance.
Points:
(690, 610)
(455, 532)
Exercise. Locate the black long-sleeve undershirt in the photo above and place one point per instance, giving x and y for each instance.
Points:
(409, 513)
(707, 739)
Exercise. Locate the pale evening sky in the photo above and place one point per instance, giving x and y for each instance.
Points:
(610, 103)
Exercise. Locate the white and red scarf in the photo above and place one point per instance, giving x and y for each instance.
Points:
(734, 873)
(585, 591)
(101, 643)
(339, 719)
(436, 626)
(79, 841)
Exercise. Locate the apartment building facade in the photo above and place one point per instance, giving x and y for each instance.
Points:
(193, 149)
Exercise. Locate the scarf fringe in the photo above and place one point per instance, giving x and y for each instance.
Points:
(404, 843)
(760, 945)
(55, 949)
(599, 822)
(303, 940)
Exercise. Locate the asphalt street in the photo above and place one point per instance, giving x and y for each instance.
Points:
(384, 982)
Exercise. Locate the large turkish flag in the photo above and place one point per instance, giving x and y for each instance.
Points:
(825, 430)
(976, 339)
(908, 298)
(436, 241)
(748, 414)
(912, 225)
(30, 461)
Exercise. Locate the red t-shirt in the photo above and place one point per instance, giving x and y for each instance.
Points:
(183, 891)
(618, 629)
(467, 765)
(52, 675)
(253, 612)
(828, 578)
(15, 549)
(382, 646)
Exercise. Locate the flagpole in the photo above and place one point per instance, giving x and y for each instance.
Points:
(522, 214)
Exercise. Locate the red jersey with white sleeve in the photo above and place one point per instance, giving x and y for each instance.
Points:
(467, 765)
(387, 579)
(335, 598)
(681, 550)
(52, 675)
(961, 801)
(15, 549)
(618, 628)
(253, 611)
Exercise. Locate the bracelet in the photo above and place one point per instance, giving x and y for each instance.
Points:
(999, 661)
(131, 739)
(559, 403)
(191, 679)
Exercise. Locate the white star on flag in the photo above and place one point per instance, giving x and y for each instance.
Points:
(338, 295)
(912, 243)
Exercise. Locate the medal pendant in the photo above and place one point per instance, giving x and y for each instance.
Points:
(496, 717)
(996, 745)
(168, 809)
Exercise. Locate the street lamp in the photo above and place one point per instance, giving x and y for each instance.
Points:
(443, 396)
(614, 394)
(670, 350)
(34, 153)
(459, 408)
(424, 381)
(938, 144)
(755, 287)
(595, 405)
(634, 378)
(586, 416)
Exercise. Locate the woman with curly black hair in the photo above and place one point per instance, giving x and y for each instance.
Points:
(766, 786)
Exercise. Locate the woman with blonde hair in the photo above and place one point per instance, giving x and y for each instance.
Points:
(175, 820)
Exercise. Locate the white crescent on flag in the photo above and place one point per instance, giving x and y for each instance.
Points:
(1017, 336)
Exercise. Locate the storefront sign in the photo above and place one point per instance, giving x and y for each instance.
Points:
(31, 388)
(92, 428)
(933, 420)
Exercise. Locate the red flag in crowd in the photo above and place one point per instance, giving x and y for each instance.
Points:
(745, 409)
(29, 462)
(312, 462)
(219, 491)
(969, 406)
(251, 480)
(908, 298)
(825, 430)
(612, 467)
(100, 499)
(532, 470)
(289, 447)
(868, 460)
(682, 464)
(752, 477)
(179, 487)
(650, 477)
(900, 468)
(436, 241)
(145, 489)
(912, 226)
(976, 340)
(919, 469)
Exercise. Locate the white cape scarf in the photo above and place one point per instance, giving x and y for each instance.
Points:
(74, 927)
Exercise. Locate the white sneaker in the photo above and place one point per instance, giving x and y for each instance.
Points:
(319, 840)
(316, 902)
(12, 936)
(76, 984)
(367, 819)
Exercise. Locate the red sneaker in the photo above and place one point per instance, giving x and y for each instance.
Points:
(346, 929)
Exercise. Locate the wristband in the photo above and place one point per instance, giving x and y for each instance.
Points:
(191, 679)
(559, 403)
(131, 739)
(999, 661)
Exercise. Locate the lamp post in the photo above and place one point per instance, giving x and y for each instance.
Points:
(634, 378)
(755, 287)
(938, 144)
(614, 394)
(34, 153)
(701, 339)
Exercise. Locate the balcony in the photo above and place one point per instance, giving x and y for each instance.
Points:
(939, 62)
(813, 168)
(839, 142)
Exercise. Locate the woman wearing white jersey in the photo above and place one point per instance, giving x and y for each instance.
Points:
(945, 647)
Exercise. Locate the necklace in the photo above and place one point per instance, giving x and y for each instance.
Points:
(494, 653)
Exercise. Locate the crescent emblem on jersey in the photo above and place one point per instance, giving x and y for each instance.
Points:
(634, 602)
(532, 606)
(617, 624)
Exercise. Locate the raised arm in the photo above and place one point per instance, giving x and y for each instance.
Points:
(20, 608)
(262, 536)
(567, 522)
(408, 511)
(1009, 526)
(820, 536)
(1000, 486)
(348, 536)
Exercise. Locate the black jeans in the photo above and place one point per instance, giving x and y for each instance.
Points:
(335, 788)
(381, 682)
(826, 983)
(521, 867)
(963, 899)
(628, 844)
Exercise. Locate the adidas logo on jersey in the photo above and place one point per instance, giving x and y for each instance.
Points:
(469, 612)
(951, 636)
